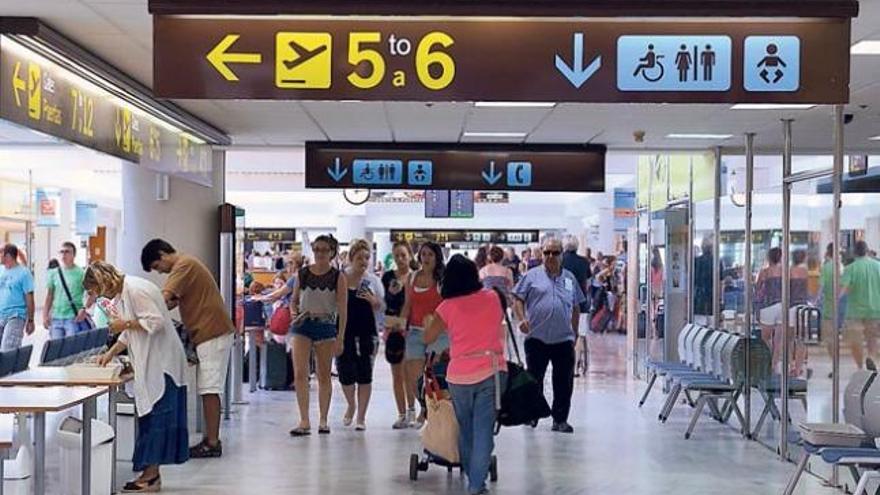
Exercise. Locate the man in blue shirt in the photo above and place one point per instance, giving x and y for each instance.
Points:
(16, 300)
(547, 304)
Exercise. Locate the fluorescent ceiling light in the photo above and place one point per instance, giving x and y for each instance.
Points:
(866, 47)
(514, 104)
(771, 106)
(698, 136)
(495, 134)
(875, 138)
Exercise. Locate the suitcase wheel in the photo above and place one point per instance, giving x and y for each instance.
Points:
(414, 467)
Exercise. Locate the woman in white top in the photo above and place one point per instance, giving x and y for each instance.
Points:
(138, 314)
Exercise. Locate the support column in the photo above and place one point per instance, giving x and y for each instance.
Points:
(350, 227)
(383, 245)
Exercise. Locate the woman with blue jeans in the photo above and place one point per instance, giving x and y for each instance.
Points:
(472, 317)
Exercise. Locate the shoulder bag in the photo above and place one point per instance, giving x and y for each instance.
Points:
(523, 401)
(84, 325)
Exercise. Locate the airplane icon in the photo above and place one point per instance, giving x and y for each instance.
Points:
(303, 54)
(303, 60)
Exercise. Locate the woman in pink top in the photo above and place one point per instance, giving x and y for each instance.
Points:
(472, 317)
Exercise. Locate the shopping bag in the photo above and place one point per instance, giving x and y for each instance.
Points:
(440, 433)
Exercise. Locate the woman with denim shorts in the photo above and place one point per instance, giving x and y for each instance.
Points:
(319, 310)
(422, 298)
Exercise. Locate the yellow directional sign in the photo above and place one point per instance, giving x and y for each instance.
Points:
(18, 84)
(35, 91)
(303, 60)
(219, 57)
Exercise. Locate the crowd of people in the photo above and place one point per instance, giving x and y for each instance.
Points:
(426, 309)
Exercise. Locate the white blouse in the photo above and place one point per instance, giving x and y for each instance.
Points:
(154, 352)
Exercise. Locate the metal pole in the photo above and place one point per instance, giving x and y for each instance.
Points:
(747, 278)
(650, 331)
(89, 408)
(836, 179)
(29, 223)
(690, 259)
(40, 453)
(786, 285)
(111, 418)
(716, 245)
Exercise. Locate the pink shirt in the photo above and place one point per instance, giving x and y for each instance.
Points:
(474, 324)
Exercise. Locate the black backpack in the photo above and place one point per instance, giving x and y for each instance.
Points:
(522, 402)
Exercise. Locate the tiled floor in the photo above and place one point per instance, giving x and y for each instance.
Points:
(617, 448)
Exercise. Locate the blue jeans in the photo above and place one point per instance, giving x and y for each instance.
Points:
(63, 328)
(11, 332)
(475, 412)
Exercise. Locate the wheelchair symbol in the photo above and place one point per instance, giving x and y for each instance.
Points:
(650, 67)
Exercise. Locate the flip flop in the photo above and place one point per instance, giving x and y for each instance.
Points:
(300, 432)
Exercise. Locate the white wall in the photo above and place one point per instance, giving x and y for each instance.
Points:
(188, 220)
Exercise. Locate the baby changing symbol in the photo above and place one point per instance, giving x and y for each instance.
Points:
(772, 63)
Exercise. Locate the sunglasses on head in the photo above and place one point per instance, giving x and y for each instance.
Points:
(552, 253)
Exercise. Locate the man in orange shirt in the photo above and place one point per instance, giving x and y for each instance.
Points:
(192, 289)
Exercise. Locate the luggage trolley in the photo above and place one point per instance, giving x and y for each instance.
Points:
(434, 379)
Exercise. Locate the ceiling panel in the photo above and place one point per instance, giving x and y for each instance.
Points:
(351, 121)
(568, 123)
(427, 122)
(505, 119)
(260, 122)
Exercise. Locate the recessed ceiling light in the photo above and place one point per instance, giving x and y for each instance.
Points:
(495, 134)
(866, 47)
(698, 136)
(771, 106)
(514, 104)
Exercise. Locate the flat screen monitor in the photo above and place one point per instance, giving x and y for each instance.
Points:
(436, 204)
(461, 204)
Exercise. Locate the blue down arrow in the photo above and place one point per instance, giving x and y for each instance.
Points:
(576, 74)
(492, 177)
(337, 173)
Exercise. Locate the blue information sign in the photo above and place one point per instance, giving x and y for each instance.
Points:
(519, 174)
(377, 172)
(772, 63)
(674, 63)
(420, 172)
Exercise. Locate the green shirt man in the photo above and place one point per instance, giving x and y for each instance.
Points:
(861, 283)
(59, 315)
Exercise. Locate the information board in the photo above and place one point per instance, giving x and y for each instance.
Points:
(434, 59)
(39, 94)
(455, 166)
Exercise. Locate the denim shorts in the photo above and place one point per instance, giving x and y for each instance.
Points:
(315, 330)
(416, 347)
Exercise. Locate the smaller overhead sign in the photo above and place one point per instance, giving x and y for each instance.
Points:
(470, 236)
(456, 166)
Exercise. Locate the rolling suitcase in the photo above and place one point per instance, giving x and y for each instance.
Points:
(276, 369)
(254, 316)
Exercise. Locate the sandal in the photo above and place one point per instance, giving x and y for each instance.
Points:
(300, 432)
(324, 430)
(202, 450)
(143, 486)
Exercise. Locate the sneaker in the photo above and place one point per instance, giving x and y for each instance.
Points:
(419, 422)
(203, 450)
(360, 427)
(562, 427)
(401, 424)
(410, 417)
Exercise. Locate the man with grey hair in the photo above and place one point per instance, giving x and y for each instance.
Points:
(547, 304)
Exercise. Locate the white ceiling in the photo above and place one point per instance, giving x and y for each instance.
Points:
(120, 31)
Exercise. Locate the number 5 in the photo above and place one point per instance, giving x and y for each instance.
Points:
(357, 55)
